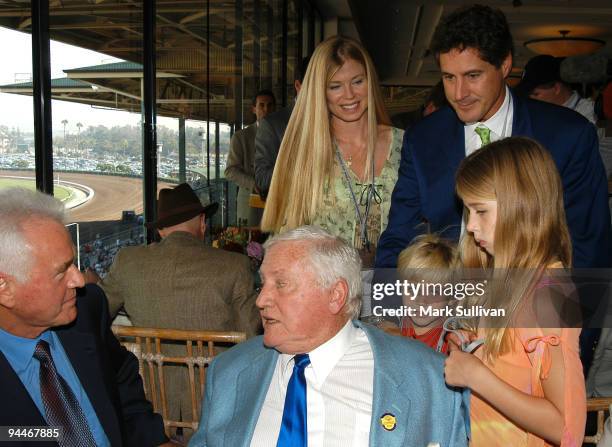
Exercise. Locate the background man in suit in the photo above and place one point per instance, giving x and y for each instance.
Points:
(181, 283)
(269, 136)
(60, 364)
(241, 158)
(310, 379)
(473, 47)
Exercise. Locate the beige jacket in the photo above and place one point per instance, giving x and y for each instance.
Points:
(241, 158)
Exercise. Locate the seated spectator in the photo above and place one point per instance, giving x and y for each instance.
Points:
(432, 261)
(317, 377)
(180, 283)
(60, 365)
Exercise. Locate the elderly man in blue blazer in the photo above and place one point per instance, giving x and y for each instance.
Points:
(473, 47)
(317, 377)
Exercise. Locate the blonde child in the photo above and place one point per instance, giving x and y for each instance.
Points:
(431, 261)
(527, 382)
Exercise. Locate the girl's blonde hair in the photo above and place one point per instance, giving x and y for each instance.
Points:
(306, 157)
(530, 232)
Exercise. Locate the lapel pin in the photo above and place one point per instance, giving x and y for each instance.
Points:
(388, 421)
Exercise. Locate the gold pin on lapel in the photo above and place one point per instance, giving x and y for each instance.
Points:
(388, 421)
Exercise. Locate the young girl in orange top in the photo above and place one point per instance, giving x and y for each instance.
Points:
(526, 380)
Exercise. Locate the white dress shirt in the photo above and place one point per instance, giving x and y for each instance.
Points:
(584, 106)
(500, 125)
(339, 387)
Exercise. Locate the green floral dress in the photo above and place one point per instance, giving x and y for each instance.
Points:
(337, 212)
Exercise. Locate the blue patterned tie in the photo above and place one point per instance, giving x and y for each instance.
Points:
(61, 406)
(293, 432)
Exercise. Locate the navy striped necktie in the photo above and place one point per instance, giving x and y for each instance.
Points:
(61, 406)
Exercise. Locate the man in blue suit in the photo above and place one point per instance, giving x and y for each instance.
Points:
(319, 378)
(473, 47)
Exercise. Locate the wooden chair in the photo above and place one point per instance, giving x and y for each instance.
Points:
(600, 405)
(193, 349)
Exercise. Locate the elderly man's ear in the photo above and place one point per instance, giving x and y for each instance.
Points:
(337, 296)
(7, 297)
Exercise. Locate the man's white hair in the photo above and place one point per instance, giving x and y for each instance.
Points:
(331, 259)
(17, 206)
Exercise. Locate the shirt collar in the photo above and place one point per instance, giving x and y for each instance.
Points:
(325, 357)
(572, 101)
(19, 351)
(497, 123)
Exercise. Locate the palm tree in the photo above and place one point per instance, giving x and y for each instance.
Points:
(79, 125)
(64, 122)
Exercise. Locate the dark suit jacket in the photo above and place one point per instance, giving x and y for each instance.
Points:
(433, 149)
(268, 139)
(108, 374)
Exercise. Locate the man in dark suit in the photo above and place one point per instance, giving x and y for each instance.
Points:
(473, 47)
(60, 365)
(269, 136)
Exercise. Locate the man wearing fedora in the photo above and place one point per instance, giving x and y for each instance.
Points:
(180, 282)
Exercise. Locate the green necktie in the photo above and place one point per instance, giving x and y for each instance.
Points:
(484, 133)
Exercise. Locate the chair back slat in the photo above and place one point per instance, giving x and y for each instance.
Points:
(151, 346)
(601, 405)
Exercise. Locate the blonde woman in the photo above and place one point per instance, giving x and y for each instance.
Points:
(339, 157)
(526, 380)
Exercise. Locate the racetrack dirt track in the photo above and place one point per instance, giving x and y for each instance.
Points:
(112, 195)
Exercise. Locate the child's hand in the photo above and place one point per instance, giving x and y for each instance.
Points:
(461, 368)
(455, 341)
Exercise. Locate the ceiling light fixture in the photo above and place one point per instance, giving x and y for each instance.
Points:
(565, 46)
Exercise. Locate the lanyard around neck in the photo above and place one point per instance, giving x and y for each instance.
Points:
(363, 218)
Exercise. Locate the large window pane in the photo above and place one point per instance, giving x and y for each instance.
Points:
(96, 58)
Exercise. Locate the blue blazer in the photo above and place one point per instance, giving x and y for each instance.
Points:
(433, 149)
(408, 383)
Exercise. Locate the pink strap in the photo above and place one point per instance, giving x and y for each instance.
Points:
(539, 345)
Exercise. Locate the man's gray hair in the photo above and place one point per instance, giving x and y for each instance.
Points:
(331, 259)
(17, 206)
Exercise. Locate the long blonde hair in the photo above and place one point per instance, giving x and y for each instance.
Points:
(530, 232)
(306, 157)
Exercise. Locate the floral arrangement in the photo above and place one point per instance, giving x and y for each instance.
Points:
(242, 240)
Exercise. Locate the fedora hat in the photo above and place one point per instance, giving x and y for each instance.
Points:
(178, 205)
